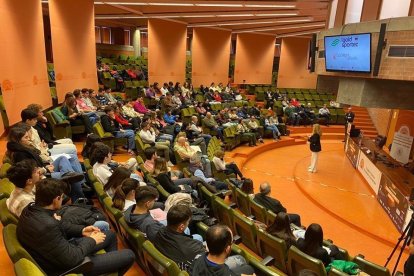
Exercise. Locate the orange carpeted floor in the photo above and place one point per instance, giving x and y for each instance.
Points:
(336, 196)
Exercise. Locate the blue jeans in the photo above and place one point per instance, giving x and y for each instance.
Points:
(63, 165)
(166, 137)
(129, 134)
(102, 225)
(275, 131)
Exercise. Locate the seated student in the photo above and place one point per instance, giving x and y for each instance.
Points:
(196, 167)
(163, 176)
(150, 156)
(227, 168)
(101, 98)
(272, 125)
(148, 136)
(254, 127)
(124, 196)
(325, 113)
(139, 106)
(126, 123)
(192, 138)
(211, 123)
(245, 133)
(312, 245)
(186, 152)
(19, 148)
(24, 175)
(280, 228)
(85, 98)
(107, 93)
(174, 243)
(110, 125)
(59, 246)
(169, 118)
(197, 130)
(128, 110)
(45, 133)
(138, 216)
(72, 114)
(217, 262)
(92, 98)
(247, 187)
(84, 108)
(263, 198)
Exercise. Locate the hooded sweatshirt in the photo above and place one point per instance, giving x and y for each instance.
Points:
(202, 266)
(144, 223)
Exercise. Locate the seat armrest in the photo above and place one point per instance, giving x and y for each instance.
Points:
(84, 267)
(62, 124)
(268, 260)
(237, 239)
(233, 205)
(251, 217)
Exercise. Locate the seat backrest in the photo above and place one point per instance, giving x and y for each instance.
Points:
(13, 247)
(269, 245)
(297, 260)
(113, 213)
(246, 229)
(157, 263)
(206, 195)
(371, 268)
(223, 212)
(256, 210)
(6, 217)
(24, 267)
(98, 130)
(3, 170)
(242, 201)
(6, 187)
(134, 238)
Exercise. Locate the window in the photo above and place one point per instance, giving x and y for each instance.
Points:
(106, 35)
(98, 35)
(401, 51)
(127, 37)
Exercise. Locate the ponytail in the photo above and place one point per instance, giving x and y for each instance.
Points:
(122, 191)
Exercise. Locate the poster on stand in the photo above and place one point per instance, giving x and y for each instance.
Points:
(401, 147)
(369, 171)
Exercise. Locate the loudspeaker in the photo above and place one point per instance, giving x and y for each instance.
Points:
(313, 50)
(380, 46)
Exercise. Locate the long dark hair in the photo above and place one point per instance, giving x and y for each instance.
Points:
(313, 238)
(116, 178)
(122, 191)
(281, 227)
(87, 148)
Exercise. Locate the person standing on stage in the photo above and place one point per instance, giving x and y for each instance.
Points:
(315, 147)
(349, 118)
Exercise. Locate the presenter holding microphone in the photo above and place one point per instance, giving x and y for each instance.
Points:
(315, 147)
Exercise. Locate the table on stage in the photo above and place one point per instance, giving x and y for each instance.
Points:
(391, 183)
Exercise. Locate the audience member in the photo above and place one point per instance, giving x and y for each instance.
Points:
(124, 195)
(263, 198)
(325, 113)
(60, 246)
(219, 239)
(280, 228)
(227, 168)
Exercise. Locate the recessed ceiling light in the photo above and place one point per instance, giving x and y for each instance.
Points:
(269, 6)
(170, 4)
(234, 15)
(220, 5)
(276, 14)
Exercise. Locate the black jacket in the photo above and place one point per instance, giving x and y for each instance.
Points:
(144, 223)
(109, 125)
(47, 240)
(349, 117)
(19, 153)
(165, 181)
(272, 204)
(201, 266)
(315, 143)
(180, 248)
(45, 132)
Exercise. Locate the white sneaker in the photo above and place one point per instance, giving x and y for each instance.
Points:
(310, 170)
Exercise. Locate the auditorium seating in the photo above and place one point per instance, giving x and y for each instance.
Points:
(107, 137)
(6, 217)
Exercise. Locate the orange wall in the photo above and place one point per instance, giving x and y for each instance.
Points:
(254, 58)
(166, 51)
(293, 66)
(210, 56)
(73, 40)
(23, 74)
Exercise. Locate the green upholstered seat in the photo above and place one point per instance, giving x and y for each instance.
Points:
(6, 217)
(269, 245)
(134, 238)
(242, 201)
(113, 214)
(297, 260)
(246, 229)
(157, 264)
(223, 212)
(370, 268)
(13, 247)
(24, 267)
(257, 210)
(6, 187)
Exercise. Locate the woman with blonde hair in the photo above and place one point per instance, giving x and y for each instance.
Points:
(315, 147)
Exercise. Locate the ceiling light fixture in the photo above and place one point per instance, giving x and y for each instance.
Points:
(124, 3)
(280, 28)
(297, 34)
(269, 6)
(171, 4)
(220, 5)
(234, 15)
(277, 14)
